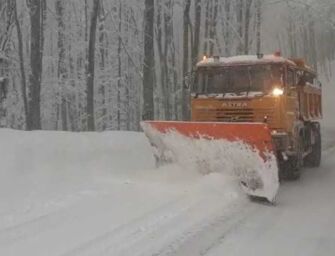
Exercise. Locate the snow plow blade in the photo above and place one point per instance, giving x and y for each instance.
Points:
(243, 150)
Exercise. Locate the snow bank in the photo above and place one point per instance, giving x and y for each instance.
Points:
(41, 164)
(50, 151)
(44, 169)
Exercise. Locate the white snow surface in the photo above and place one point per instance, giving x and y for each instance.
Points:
(100, 194)
(243, 59)
(241, 95)
(64, 194)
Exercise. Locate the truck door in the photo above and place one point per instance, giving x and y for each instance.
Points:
(292, 99)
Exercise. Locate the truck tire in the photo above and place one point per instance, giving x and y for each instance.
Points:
(314, 158)
(292, 167)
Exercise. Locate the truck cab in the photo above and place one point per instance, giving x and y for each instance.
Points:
(283, 93)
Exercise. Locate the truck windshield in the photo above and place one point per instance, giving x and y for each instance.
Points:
(241, 79)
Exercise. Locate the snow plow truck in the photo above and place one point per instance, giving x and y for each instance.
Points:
(256, 117)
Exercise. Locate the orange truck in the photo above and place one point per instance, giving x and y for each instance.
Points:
(269, 102)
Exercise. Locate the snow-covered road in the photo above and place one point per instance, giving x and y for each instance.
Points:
(302, 222)
(69, 194)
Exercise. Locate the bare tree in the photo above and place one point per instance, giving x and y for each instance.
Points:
(6, 17)
(91, 67)
(37, 10)
(62, 71)
(207, 25)
(149, 62)
(119, 58)
(21, 59)
(213, 25)
(226, 27)
(258, 25)
(239, 17)
(103, 48)
(186, 45)
(247, 25)
(197, 25)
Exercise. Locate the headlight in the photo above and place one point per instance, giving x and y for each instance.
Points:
(277, 92)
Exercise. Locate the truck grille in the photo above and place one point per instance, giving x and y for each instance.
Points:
(226, 115)
(235, 115)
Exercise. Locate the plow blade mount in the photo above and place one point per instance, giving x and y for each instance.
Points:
(242, 150)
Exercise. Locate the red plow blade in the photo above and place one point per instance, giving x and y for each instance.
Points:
(245, 149)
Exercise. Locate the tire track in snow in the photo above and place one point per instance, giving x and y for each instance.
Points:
(222, 225)
(156, 232)
(119, 238)
(33, 227)
(203, 241)
(224, 219)
(44, 222)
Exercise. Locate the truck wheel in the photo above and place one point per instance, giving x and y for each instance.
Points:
(314, 158)
(292, 167)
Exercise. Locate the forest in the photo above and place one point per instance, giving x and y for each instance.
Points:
(95, 65)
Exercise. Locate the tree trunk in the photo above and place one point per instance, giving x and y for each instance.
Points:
(119, 81)
(62, 72)
(22, 69)
(258, 26)
(7, 21)
(149, 62)
(197, 25)
(312, 39)
(168, 27)
(159, 39)
(247, 26)
(185, 100)
(227, 37)
(207, 27)
(91, 67)
(240, 26)
(291, 38)
(213, 27)
(103, 45)
(37, 15)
